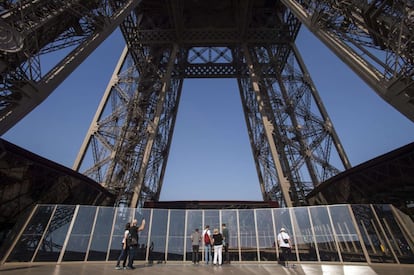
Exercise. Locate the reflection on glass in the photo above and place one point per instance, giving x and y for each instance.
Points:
(266, 235)
(101, 234)
(229, 217)
(248, 244)
(346, 234)
(397, 235)
(176, 236)
(374, 240)
(51, 246)
(324, 235)
(305, 242)
(158, 236)
(81, 232)
(393, 234)
(27, 245)
(194, 220)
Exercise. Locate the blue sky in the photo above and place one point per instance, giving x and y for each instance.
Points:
(210, 157)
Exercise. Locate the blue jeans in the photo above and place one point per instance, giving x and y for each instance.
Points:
(207, 253)
(132, 249)
(123, 256)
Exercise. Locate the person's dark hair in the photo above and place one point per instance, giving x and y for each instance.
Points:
(128, 225)
(196, 229)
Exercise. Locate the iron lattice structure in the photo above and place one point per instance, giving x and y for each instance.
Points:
(126, 149)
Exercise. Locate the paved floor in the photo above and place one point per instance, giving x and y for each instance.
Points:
(189, 269)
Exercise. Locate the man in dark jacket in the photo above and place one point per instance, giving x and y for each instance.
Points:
(133, 231)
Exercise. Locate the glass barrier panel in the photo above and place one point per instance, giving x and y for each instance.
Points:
(176, 236)
(51, 246)
(32, 235)
(123, 216)
(394, 234)
(248, 243)
(101, 234)
(80, 235)
(346, 234)
(194, 221)
(374, 240)
(266, 235)
(158, 236)
(406, 224)
(212, 218)
(8, 240)
(282, 220)
(324, 236)
(303, 235)
(229, 217)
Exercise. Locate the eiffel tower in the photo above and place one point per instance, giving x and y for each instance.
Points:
(292, 138)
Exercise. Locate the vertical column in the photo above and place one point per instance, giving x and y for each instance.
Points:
(268, 128)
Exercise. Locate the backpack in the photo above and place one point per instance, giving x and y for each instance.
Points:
(206, 238)
(132, 239)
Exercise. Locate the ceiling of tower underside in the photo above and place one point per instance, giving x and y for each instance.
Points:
(388, 178)
(213, 23)
(223, 26)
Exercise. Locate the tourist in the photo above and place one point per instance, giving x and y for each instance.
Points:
(125, 249)
(218, 247)
(207, 244)
(195, 242)
(284, 242)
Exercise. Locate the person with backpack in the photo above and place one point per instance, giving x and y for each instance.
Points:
(283, 239)
(207, 244)
(125, 249)
(133, 241)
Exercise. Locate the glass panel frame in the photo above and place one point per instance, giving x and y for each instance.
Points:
(369, 227)
(158, 236)
(346, 234)
(32, 235)
(176, 236)
(304, 235)
(266, 235)
(101, 235)
(77, 246)
(55, 236)
(248, 240)
(324, 234)
(230, 218)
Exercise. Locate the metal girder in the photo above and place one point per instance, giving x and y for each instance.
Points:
(36, 28)
(292, 137)
(374, 38)
(128, 148)
(127, 145)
